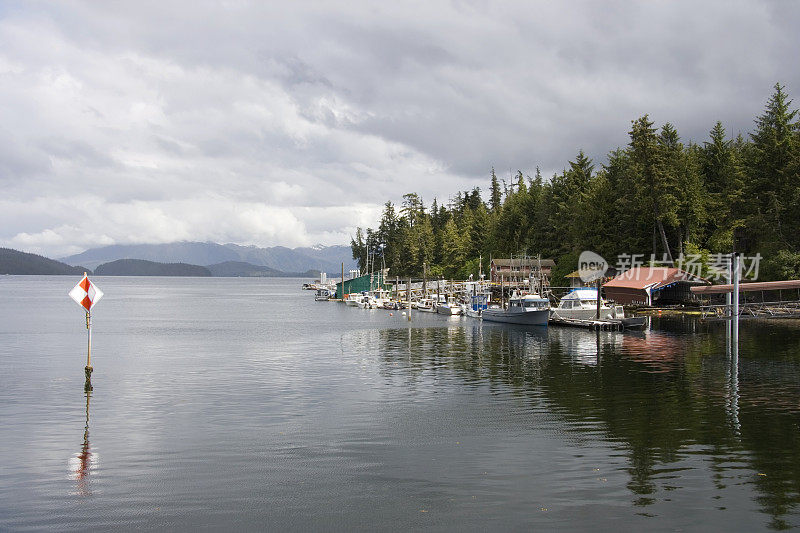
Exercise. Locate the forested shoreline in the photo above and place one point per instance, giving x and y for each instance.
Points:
(655, 196)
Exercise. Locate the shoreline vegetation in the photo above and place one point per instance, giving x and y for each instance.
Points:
(656, 196)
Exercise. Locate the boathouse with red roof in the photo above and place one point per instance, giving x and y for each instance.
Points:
(650, 285)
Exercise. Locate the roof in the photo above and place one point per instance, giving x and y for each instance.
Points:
(748, 287)
(529, 297)
(586, 293)
(524, 262)
(653, 278)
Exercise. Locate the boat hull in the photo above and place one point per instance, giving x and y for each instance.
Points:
(637, 322)
(538, 317)
(447, 310)
(583, 314)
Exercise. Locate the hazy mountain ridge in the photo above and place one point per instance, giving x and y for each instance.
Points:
(15, 262)
(142, 267)
(280, 258)
(241, 269)
(195, 253)
(22, 263)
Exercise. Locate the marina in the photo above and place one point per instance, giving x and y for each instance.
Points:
(491, 302)
(522, 295)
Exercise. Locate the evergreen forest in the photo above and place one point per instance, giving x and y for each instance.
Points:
(657, 196)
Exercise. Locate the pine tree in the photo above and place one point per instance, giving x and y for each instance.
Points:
(359, 248)
(597, 214)
(412, 208)
(691, 196)
(772, 182)
(723, 183)
(580, 173)
(453, 248)
(521, 187)
(495, 199)
(475, 199)
(388, 236)
(654, 183)
(479, 231)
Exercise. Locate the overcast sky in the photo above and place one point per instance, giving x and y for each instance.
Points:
(291, 123)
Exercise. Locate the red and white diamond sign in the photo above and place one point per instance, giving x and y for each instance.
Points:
(86, 294)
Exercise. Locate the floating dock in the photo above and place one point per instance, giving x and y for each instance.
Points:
(601, 325)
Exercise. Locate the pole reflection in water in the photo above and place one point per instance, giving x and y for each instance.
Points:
(732, 351)
(81, 464)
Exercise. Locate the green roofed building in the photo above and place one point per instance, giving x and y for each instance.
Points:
(361, 283)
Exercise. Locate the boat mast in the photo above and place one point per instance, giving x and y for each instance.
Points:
(424, 280)
(372, 272)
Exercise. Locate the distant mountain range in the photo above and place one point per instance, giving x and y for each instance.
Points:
(249, 270)
(140, 267)
(279, 258)
(228, 269)
(185, 259)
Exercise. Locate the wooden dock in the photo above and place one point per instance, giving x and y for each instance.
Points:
(601, 325)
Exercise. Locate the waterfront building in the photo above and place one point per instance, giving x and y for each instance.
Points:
(517, 270)
(648, 285)
(367, 282)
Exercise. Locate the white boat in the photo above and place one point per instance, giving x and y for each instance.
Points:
(426, 305)
(581, 304)
(323, 295)
(364, 300)
(352, 299)
(528, 309)
(477, 303)
(379, 298)
(449, 307)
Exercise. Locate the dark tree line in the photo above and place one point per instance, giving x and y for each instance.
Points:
(656, 196)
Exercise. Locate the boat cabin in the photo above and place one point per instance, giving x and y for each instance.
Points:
(528, 302)
(580, 298)
(479, 301)
(323, 295)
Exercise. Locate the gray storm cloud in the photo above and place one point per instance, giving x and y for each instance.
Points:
(291, 123)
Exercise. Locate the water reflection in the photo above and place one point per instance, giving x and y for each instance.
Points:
(669, 399)
(732, 351)
(82, 463)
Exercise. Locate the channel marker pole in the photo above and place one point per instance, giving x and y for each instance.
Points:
(86, 294)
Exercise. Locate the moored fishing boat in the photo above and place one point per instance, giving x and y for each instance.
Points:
(426, 305)
(478, 302)
(528, 309)
(323, 295)
(380, 298)
(364, 301)
(449, 307)
(581, 304)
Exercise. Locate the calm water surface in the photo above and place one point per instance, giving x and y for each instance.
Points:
(242, 403)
